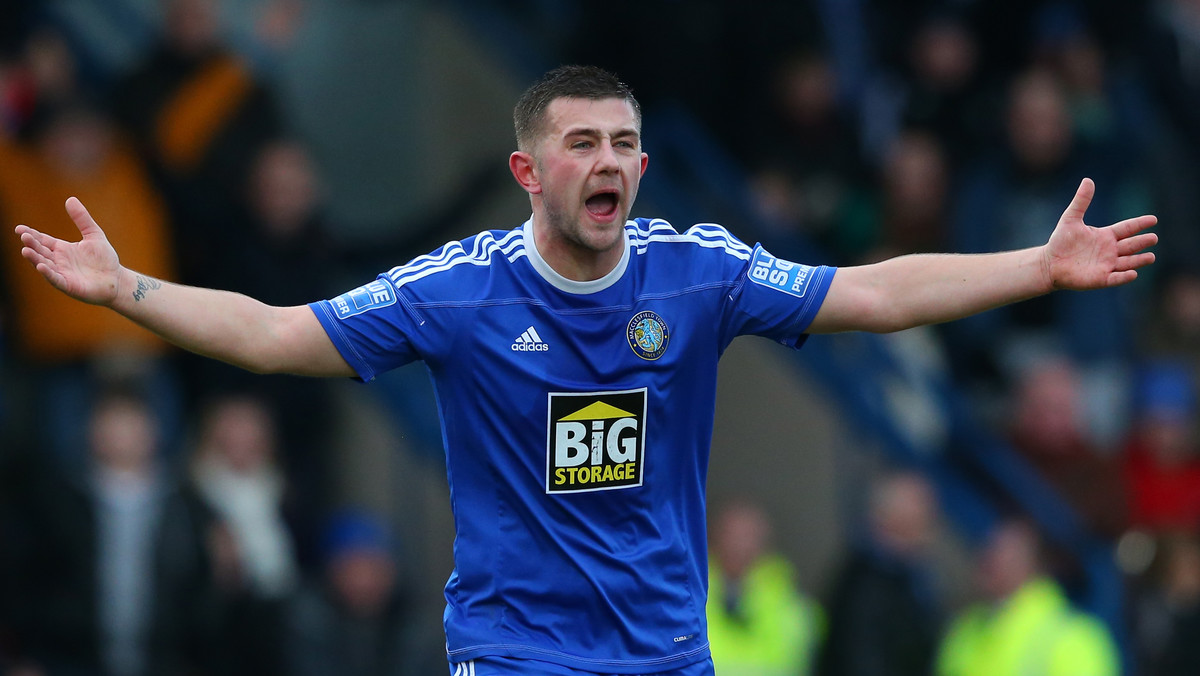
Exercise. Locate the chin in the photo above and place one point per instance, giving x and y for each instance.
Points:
(605, 240)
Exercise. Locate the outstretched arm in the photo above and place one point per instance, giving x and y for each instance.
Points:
(920, 289)
(227, 326)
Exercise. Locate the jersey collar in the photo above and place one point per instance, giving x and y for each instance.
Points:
(569, 285)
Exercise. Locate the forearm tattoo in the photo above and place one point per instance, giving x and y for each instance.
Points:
(145, 284)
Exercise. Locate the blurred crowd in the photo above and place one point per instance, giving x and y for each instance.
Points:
(163, 514)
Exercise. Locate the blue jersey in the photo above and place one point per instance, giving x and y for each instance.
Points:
(577, 419)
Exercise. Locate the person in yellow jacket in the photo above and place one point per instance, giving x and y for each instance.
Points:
(759, 622)
(1027, 626)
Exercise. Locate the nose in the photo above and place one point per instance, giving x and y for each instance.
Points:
(606, 160)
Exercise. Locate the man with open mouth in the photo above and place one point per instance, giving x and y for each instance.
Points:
(575, 363)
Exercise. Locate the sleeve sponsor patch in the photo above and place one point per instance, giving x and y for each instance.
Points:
(370, 296)
(776, 273)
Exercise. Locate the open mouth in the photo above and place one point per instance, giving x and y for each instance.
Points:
(602, 204)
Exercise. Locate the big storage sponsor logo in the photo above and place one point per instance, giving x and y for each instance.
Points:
(596, 440)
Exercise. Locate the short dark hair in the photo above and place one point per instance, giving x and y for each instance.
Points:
(574, 82)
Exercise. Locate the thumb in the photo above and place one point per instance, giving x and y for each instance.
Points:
(1081, 201)
(83, 220)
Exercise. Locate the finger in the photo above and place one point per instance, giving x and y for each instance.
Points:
(1131, 245)
(1135, 261)
(1122, 277)
(43, 265)
(25, 231)
(56, 280)
(34, 256)
(43, 244)
(1131, 226)
(1083, 198)
(83, 220)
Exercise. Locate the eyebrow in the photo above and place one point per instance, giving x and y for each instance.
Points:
(625, 132)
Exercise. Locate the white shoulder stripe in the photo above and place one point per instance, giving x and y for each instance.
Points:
(699, 241)
(451, 249)
(707, 235)
(453, 254)
(639, 231)
(712, 230)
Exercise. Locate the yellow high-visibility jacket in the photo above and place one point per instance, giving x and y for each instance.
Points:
(773, 631)
(1036, 632)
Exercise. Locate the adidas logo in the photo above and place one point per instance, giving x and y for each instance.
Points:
(529, 341)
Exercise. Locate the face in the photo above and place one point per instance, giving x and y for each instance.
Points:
(1039, 123)
(583, 175)
(1046, 415)
(242, 433)
(904, 514)
(363, 580)
(1008, 561)
(123, 436)
(284, 190)
(192, 26)
(739, 539)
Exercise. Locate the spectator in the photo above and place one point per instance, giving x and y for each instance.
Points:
(885, 612)
(1172, 330)
(807, 165)
(234, 469)
(1065, 46)
(759, 623)
(115, 566)
(285, 253)
(74, 150)
(1023, 623)
(914, 197)
(43, 77)
(198, 115)
(1048, 426)
(1162, 466)
(355, 620)
(1167, 613)
(936, 86)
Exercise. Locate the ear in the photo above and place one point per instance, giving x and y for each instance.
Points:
(645, 161)
(524, 169)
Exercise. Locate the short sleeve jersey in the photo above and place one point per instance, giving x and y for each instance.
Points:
(577, 419)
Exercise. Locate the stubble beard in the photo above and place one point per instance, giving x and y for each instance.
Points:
(575, 234)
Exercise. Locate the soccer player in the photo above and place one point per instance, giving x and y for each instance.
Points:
(575, 363)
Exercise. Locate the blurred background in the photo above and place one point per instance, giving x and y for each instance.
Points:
(934, 501)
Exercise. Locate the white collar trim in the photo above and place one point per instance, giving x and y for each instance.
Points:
(570, 285)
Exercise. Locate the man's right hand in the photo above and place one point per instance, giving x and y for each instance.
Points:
(87, 270)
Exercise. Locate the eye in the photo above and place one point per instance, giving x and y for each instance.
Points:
(581, 145)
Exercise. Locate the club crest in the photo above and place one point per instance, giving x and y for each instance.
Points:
(647, 334)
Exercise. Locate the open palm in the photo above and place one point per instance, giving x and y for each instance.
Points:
(1079, 256)
(86, 270)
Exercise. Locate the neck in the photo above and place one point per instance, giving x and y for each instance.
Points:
(574, 260)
